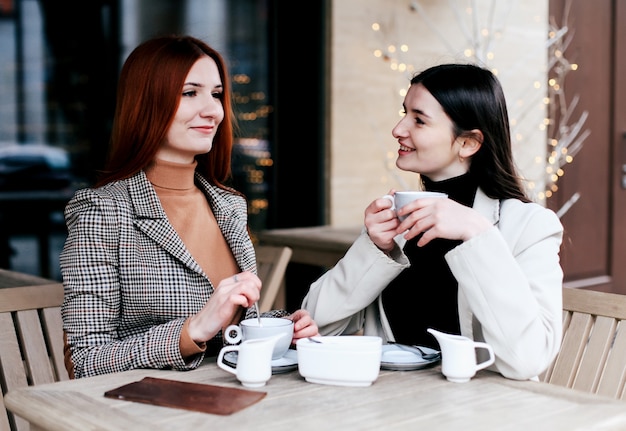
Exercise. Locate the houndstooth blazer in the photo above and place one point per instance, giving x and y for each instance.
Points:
(129, 281)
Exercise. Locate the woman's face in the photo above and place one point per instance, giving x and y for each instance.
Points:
(427, 142)
(199, 113)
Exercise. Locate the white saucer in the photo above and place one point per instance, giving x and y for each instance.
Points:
(398, 359)
(289, 362)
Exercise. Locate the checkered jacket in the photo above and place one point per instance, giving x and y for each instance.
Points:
(130, 283)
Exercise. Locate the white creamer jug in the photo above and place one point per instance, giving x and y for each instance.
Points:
(458, 356)
(254, 360)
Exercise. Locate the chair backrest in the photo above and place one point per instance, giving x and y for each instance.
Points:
(271, 264)
(592, 357)
(31, 341)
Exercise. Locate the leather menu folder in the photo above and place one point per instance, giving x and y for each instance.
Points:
(219, 400)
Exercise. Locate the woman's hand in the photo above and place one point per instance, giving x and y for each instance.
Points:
(303, 325)
(440, 218)
(381, 223)
(231, 294)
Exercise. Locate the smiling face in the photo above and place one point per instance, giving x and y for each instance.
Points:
(199, 113)
(426, 137)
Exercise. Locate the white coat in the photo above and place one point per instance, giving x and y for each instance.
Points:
(510, 287)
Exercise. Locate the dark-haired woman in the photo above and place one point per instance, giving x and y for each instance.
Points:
(158, 259)
(483, 263)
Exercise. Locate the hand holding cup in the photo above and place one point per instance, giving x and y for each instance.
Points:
(400, 199)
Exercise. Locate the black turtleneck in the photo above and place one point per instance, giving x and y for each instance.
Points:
(425, 294)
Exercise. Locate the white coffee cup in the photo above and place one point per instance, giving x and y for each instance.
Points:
(249, 329)
(254, 360)
(402, 198)
(458, 356)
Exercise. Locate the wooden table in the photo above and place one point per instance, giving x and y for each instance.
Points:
(317, 245)
(16, 279)
(415, 400)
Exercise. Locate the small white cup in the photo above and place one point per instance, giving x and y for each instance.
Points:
(249, 329)
(400, 199)
(458, 356)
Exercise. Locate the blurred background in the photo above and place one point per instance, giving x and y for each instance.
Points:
(59, 63)
(318, 86)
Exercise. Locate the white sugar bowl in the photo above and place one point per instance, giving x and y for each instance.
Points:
(342, 360)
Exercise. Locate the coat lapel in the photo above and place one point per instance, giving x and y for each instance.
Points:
(488, 207)
(152, 221)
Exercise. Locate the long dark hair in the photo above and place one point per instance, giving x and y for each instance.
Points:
(148, 95)
(473, 99)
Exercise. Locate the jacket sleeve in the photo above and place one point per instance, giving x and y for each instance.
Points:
(94, 296)
(338, 299)
(510, 288)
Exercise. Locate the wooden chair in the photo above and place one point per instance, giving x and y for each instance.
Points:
(31, 341)
(272, 263)
(592, 357)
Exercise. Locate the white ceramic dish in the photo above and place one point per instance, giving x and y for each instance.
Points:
(287, 363)
(346, 360)
(396, 358)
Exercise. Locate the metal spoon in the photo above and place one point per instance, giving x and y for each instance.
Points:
(416, 349)
(258, 315)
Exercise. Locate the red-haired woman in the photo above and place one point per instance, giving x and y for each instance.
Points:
(158, 259)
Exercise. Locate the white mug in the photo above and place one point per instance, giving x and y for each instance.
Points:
(458, 356)
(400, 199)
(249, 329)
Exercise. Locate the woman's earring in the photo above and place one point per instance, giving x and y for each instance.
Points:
(461, 159)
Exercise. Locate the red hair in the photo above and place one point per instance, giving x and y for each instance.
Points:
(148, 95)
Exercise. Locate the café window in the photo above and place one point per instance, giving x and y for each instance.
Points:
(59, 64)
